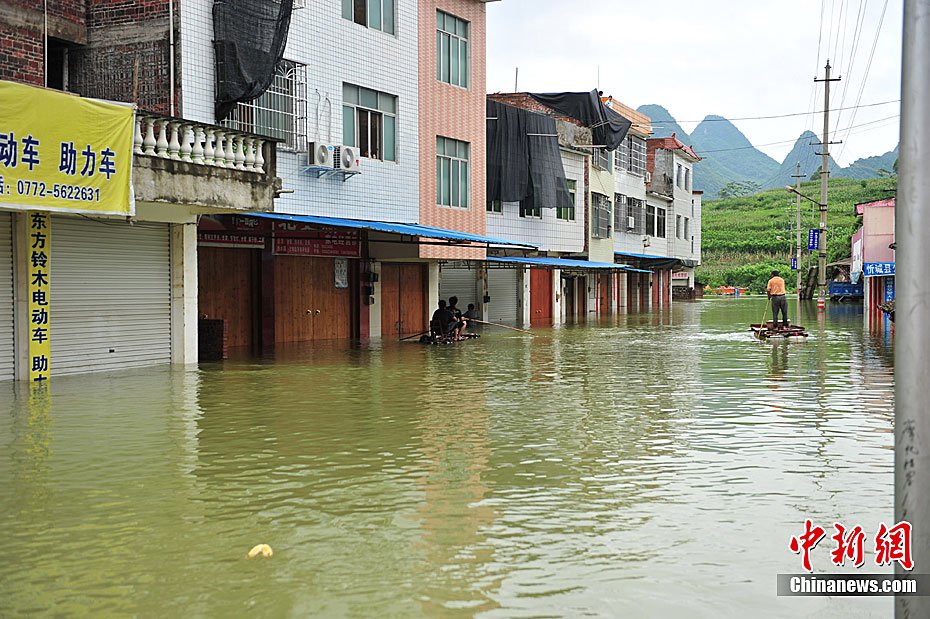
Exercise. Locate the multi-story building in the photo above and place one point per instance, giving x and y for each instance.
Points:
(873, 259)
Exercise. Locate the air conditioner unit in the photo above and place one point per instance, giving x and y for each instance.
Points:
(630, 223)
(347, 159)
(320, 154)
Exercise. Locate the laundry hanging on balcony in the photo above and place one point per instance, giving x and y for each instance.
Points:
(249, 38)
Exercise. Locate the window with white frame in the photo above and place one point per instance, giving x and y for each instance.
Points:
(452, 58)
(688, 179)
(620, 208)
(637, 146)
(452, 181)
(369, 122)
(530, 211)
(650, 220)
(374, 14)
(679, 176)
(687, 229)
(495, 206)
(600, 216)
(677, 226)
(660, 223)
(634, 213)
(280, 112)
(567, 213)
(601, 158)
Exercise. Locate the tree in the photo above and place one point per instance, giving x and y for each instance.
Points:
(735, 189)
(816, 175)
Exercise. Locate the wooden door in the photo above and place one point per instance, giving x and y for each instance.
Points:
(666, 287)
(403, 299)
(540, 297)
(568, 298)
(603, 293)
(582, 298)
(308, 306)
(632, 288)
(225, 278)
(331, 305)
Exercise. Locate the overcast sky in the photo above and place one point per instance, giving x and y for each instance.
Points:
(733, 58)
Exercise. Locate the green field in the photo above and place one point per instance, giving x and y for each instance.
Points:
(740, 236)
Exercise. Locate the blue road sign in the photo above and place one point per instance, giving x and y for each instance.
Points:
(813, 239)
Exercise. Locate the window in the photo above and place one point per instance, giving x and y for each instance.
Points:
(600, 216)
(634, 210)
(602, 158)
(679, 176)
(620, 208)
(688, 179)
(495, 206)
(650, 220)
(280, 111)
(369, 121)
(452, 172)
(568, 213)
(375, 14)
(677, 226)
(530, 211)
(660, 222)
(637, 148)
(452, 49)
(687, 229)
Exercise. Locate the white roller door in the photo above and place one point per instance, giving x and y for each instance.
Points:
(502, 288)
(6, 297)
(111, 295)
(459, 282)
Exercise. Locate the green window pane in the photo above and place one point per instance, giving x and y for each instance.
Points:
(387, 103)
(389, 16)
(444, 57)
(368, 98)
(446, 163)
(465, 191)
(374, 14)
(454, 183)
(454, 62)
(461, 28)
(349, 93)
(347, 9)
(440, 20)
(438, 180)
(390, 138)
(461, 149)
(438, 55)
(348, 125)
(463, 60)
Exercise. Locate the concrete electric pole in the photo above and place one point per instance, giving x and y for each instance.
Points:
(797, 226)
(912, 337)
(824, 175)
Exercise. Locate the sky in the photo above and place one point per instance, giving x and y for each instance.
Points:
(732, 58)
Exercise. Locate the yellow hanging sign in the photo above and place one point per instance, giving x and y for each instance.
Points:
(60, 152)
(39, 244)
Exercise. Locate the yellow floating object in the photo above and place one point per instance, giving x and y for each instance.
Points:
(260, 550)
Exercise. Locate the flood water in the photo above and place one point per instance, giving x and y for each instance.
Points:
(646, 466)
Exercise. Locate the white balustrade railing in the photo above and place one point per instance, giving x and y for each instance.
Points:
(198, 143)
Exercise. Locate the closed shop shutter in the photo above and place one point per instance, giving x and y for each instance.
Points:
(6, 297)
(459, 282)
(111, 295)
(502, 288)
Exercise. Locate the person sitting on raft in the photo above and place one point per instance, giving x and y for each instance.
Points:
(458, 324)
(442, 318)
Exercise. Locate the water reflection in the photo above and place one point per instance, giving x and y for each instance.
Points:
(643, 465)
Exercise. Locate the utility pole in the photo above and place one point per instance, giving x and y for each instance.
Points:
(824, 175)
(912, 337)
(797, 226)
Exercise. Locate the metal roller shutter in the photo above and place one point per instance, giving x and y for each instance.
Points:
(459, 282)
(6, 297)
(111, 295)
(502, 288)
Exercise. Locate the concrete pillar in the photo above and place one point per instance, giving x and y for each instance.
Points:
(184, 290)
(621, 292)
(481, 286)
(21, 294)
(432, 288)
(374, 310)
(556, 297)
(592, 284)
(612, 304)
(523, 282)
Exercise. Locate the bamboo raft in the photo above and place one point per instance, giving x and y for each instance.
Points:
(435, 340)
(767, 331)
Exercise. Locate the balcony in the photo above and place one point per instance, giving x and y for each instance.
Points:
(178, 161)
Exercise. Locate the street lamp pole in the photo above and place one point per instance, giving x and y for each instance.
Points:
(824, 175)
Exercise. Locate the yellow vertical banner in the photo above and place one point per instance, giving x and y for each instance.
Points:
(39, 244)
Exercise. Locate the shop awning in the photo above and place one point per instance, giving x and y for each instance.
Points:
(684, 261)
(395, 228)
(564, 263)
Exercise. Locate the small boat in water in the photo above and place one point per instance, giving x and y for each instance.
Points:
(768, 331)
(435, 339)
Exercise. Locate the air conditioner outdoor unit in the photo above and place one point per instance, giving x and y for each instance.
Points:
(630, 223)
(348, 159)
(320, 154)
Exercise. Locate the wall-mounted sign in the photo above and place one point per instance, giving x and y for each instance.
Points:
(813, 239)
(60, 152)
(794, 264)
(341, 273)
(39, 319)
(680, 275)
(333, 242)
(224, 239)
(877, 269)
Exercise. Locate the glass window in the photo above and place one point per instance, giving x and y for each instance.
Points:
(375, 14)
(650, 220)
(660, 222)
(600, 216)
(369, 122)
(602, 158)
(687, 231)
(495, 206)
(452, 180)
(637, 147)
(530, 211)
(452, 36)
(568, 213)
(677, 226)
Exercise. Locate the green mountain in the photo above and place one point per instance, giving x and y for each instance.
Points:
(870, 167)
(804, 152)
(663, 124)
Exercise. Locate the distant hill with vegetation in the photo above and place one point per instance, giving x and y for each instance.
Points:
(744, 238)
(731, 165)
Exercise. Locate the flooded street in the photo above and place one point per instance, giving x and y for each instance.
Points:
(644, 466)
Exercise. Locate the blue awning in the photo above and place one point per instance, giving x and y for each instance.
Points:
(645, 256)
(394, 228)
(563, 263)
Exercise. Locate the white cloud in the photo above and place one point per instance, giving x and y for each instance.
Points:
(730, 57)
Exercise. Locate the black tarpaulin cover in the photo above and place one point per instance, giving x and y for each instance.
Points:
(608, 127)
(249, 38)
(523, 167)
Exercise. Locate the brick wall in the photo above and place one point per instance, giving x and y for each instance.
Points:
(22, 35)
(452, 112)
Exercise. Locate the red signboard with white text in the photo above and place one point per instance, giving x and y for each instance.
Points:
(331, 242)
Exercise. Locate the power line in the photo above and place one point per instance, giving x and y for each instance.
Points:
(834, 109)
